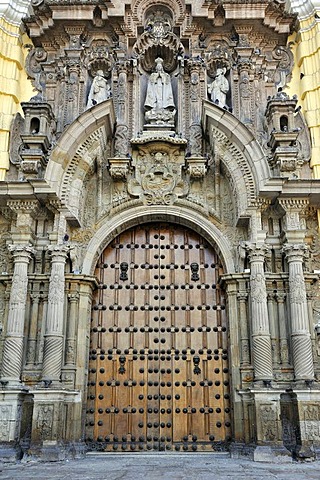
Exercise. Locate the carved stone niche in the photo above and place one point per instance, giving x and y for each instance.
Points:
(39, 128)
(283, 135)
(157, 176)
(158, 40)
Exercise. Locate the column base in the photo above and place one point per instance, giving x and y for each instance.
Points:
(11, 401)
(272, 454)
(56, 422)
(52, 451)
(10, 453)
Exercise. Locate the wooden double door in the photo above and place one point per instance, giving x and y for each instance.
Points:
(158, 369)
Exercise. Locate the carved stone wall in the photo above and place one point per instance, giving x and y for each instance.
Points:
(170, 113)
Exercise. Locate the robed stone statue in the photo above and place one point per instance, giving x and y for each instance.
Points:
(219, 88)
(100, 90)
(159, 103)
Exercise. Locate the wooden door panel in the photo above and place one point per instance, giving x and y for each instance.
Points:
(158, 371)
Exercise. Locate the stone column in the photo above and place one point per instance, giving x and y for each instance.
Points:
(13, 345)
(300, 333)
(244, 333)
(273, 329)
(283, 334)
(32, 340)
(69, 368)
(53, 341)
(260, 331)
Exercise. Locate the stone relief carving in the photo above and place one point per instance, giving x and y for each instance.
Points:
(258, 288)
(45, 421)
(268, 416)
(159, 103)
(297, 289)
(5, 420)
(310, 427)
(158, 180)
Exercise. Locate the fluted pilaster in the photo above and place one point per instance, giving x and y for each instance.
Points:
(13, 345)
(261, 342)
(300, 333)
(53, 342)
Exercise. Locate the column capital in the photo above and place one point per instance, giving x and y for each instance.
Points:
(280, 297)
(73, 297)
(58, 253)
(242, 296)
(256, 251)
(20, 252)
(295, 252)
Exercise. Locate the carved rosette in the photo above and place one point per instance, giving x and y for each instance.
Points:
(13, 345)
(300, 333)
(53, 343)
(261, 341)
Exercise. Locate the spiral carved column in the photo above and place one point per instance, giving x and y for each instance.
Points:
(300, 333)
(53, 341)
(261, 341)
(13, 344)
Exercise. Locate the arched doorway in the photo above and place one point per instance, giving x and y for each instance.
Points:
(158, 370)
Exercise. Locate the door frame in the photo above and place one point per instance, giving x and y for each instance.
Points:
(197, 221)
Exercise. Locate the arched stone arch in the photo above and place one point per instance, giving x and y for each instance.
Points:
(78, 146)
(138, 215)
(242, 157)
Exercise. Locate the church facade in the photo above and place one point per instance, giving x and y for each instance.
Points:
(159, 283)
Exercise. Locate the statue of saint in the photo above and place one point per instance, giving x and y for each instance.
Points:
(100, 90)
(219, 88)
(159, 103)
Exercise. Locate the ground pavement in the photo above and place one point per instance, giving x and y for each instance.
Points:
(159, 467)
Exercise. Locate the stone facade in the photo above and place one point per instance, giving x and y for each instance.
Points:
(173, 112)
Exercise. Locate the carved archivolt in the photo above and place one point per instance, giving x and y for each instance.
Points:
(236, 169)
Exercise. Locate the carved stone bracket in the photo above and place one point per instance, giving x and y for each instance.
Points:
(294, 223)
(196, 167)
(119, 168)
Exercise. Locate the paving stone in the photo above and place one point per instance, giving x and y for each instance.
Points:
(161, 467)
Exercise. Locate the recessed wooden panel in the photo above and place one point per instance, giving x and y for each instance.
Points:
(158, 371)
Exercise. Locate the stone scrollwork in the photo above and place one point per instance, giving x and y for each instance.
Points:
(34, 59)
